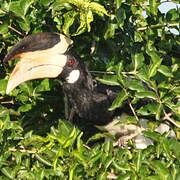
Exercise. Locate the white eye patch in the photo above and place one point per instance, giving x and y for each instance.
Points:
(73, 76)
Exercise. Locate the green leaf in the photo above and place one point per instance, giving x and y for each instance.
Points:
(89, 19)
(45, 2)
(109, 80)
(138, 160)
(135, 85)
(99, 136)
(175, 147)
(80, 142)
(148, 109)
(122, 96)
(159, 110)
(156, 62)
(165, 85)
(122, 167)
(118, 3)
(3, 111)
(107, 163)
(172, 15)
(25, 108)
(27, 88)
(111, 27)
(80, 158)
(3, 84)
(8, 172)
(161, 169)
(143, 73)
(146, 94)
(120, 16)
(24, 24)
(3, 28)
(78, 3)
(138, 37)
(153, 135)
(165, 70)
(25, 5)
(98, 8)
(16, 8)
(72, 171)
(85, 19)
(69, 18)
(70, 139)
(43, 160)
(154, 6)
(95, 158)
(43, 86)
(64, 127)
(166, 147)
(138, 60)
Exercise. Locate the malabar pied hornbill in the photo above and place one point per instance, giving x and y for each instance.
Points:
(47, 55)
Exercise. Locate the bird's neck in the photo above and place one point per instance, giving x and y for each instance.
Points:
(85, 80)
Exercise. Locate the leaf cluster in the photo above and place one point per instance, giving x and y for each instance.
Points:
(118, 43)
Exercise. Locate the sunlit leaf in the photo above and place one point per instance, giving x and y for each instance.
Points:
(165, 70)
(156, 62)
(146, 94)
(138, 60)
(154, 6)
(135, 85)
(109, 80)
(111, 27)
(97, 8)
(69, 19)
(122, 96)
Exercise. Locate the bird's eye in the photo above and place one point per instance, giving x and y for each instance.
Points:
(71, 62)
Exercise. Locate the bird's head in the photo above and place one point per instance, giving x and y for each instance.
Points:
(42, 55)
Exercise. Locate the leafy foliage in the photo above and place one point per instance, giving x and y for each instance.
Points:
(111, 36)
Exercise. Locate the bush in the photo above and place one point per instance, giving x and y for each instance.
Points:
(111, 36)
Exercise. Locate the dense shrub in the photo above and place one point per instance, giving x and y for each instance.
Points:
(129, 38)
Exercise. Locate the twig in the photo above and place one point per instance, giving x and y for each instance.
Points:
(122, 141)
(23, 150)
(13, 29)
(157, 26)
(133, 111)
(86, 146)
(168, 117)
(131, 72)
(142, 5)
(111, 176)
(102, 72)
(7, 102)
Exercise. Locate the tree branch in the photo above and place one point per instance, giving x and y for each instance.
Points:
(167, 116)
(23, 150)
(13, 29)
(157, 26)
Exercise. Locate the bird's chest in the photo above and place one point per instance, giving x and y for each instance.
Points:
(89, 105)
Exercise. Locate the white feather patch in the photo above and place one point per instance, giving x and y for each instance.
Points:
(73, 76)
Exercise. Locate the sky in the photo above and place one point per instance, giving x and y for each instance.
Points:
(164, 8)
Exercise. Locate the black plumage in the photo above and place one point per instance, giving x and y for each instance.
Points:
(88, 98)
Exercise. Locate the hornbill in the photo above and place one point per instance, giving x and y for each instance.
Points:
(47, 55)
